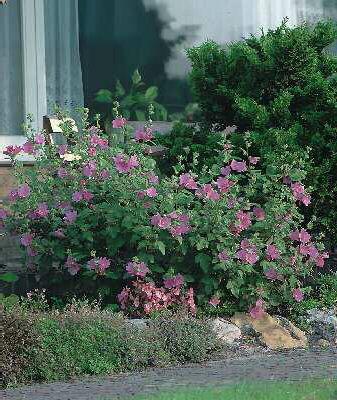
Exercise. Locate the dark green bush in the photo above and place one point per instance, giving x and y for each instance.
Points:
(49, 346)
(190, 146)
(282, 88)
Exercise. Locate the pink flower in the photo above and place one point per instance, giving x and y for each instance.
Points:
(39, 139)
(190, 301)
(214, 301)
(59, 233)
(92, 151)
(273, 275)
(42, 210)
(96, 140)
(72, 266)
(174, 282)
(154, 179)
(104, 174)
(12, 151)
(89, 169)
(257, 311)
(244, 220)
(143, 135)
(238, 166)
(247, 254)
(207, 192)
(62, 149)
(124, 165)
(320, 260)
(225, 171)
(77, 196)
(123, 297)
(28, 148)
(62, 173)
(70, 216)
(253, 160)
(87, 196)
(187, 181)
(23, 191)
(272, 252)
(119, 123)
(299, 193)
(139, 269)
(99, 265)
(162, 222)
(151, 192)
(287, 180)
(224, 184)
(298, 294)
(259, 213)
(300, 236)
(179, 230)
(27, 239)
(223, 256)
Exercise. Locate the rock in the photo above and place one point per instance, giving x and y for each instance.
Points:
(225, 331)
(323, 324)
(275, 333)
(323, 343)
(138, 323)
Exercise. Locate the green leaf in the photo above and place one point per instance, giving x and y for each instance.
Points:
(140, 115)
(104, 96)
(151, 93)
(113, 275)
(9, 277)
(204, 261)
(120, 91)
(136, 77)
(161, 247)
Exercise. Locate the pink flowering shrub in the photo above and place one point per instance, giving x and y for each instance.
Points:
(231, 233)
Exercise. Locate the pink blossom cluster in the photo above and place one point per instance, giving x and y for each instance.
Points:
(119, 122)
(300, 194)
(143, 134)
(146, 297)
(97, 141)
(99, 265)
(41, 211)
(125, 164)
(307, 248)
(72, 266)
(137, 269)
(150, 192)
(21, 192)
(28, 147)
(242, 223)
(82, 195)
(176, 223)
(247, 253)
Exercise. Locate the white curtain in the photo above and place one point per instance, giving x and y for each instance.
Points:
(11, 88)
(63, 64)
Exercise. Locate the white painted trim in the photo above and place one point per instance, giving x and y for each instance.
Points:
(34, 59)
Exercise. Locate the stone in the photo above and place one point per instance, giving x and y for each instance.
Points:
(225, 331)
(323, 324)
(138, 323)
(276, 333)
(323, 343)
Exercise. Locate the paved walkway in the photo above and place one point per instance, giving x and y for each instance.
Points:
(296, 365)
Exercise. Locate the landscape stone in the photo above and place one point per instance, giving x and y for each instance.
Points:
(275, 333)
(225, 331)
(323, 324)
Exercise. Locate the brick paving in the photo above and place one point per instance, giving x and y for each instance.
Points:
(294, 366)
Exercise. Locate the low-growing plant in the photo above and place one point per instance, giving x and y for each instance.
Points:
(98, 212)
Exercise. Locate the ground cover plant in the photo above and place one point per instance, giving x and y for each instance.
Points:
(41, 344)
(97, 214)
(281, 87)
(315, 390)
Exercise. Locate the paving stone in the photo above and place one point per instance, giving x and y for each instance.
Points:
(294, 365)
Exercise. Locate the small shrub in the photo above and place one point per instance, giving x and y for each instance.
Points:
(18, 338)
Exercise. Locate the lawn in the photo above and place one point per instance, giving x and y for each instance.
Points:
(318, 390)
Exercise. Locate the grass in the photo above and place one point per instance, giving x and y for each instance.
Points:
(316, 390)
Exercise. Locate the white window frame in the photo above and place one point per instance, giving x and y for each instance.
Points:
(33, 69)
